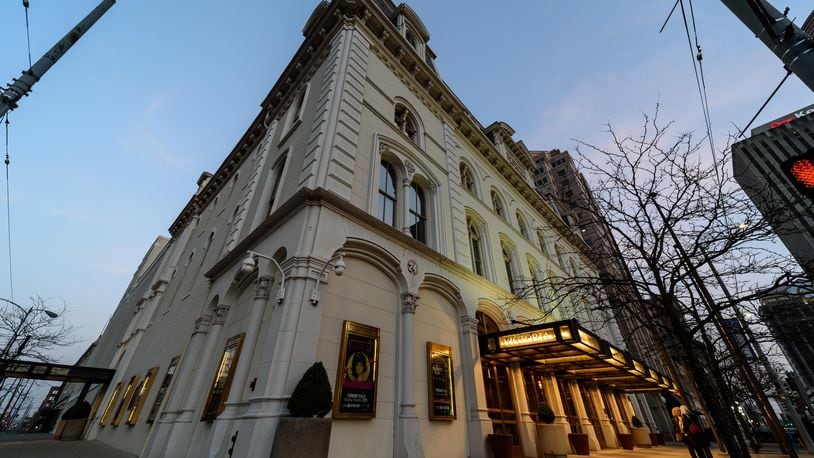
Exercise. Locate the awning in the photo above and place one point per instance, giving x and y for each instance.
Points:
(59, 372)
(567, 348)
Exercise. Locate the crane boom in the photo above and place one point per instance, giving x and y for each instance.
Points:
(787, 41)
(21, 86)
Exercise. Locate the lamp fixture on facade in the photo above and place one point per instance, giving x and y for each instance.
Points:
(250, 263)
(339, 269)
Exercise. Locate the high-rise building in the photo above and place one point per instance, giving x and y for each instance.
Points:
(368, 221)
(774, 166)
(789, 315)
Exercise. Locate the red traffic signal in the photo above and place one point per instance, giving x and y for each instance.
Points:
(800, 170)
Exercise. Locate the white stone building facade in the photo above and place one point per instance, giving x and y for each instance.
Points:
(359, 150)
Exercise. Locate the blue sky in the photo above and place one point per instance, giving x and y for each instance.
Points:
(107, 149)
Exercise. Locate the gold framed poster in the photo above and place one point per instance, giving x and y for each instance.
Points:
(440, 383)
(356, 375)
(223, 378)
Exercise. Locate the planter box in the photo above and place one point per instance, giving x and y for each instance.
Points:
(70, 429)
(580, 443)
(641, 436)
(552, 441)
(302, 438)
(626, 441)
(500, 445)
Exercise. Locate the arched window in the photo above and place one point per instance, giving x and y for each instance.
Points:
(497, 205)
(486, 325)
(521, 224)
(406, 122)
(537, 283)
(387, 193)
(508, 262)
(475, 248)
(275, 185)
(466, 178)
(541, 242)
(418, 214)
(560, 259)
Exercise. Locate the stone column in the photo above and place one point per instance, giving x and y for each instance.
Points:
(610, 396)
(195, 395)
(478, 422)
(628, 406)
(159, 435)
(409, 433)
(222, 429)
(611, 441)
(525, 424)
(552, 395)
(584, 421)
(404, 207)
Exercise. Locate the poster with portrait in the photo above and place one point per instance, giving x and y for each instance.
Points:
(440, 382)
(356, 372)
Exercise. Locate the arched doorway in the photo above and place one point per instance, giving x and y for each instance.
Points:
(497, 387)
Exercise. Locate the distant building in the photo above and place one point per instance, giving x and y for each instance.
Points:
(760, 166)
(789, 315)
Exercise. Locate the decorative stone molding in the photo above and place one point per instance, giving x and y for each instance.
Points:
(262, 287)
(412, 267)
(469, 324)
(409, 302)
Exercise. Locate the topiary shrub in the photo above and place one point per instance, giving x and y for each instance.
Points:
(636, 422)
(545, 414)
(312, 395)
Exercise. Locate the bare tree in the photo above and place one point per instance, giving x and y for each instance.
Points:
(691, 246)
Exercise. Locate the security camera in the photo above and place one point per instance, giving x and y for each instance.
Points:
(247, 266)
(339, 266)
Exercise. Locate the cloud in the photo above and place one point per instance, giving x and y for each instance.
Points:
(145, 139)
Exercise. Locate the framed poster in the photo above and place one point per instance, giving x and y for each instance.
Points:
(440, 382)
(356, 372)
(223, 378)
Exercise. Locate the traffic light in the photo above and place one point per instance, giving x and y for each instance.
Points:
(800, 170)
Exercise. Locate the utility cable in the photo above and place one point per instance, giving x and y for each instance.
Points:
(702, 85)
(8, 215)
(788, 73)
(669, 16)
(27, 32)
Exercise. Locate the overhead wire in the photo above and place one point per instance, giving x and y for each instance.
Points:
(27, 32)
(8, 214)
(788, 73)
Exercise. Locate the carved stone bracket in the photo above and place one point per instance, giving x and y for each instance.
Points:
(409, 302)
(262, 287)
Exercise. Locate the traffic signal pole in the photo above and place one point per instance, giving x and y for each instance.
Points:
(21, 86)
(787, 41)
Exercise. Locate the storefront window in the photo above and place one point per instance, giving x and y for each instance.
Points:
(535, 394)
(568, 405)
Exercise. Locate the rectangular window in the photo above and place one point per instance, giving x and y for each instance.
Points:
(110, 403)
(140, 396)
(223, 378)
(162, 391)
(125, 398)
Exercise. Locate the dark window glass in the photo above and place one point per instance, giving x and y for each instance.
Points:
(387, 194)
(475, 249)
(418, 214)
